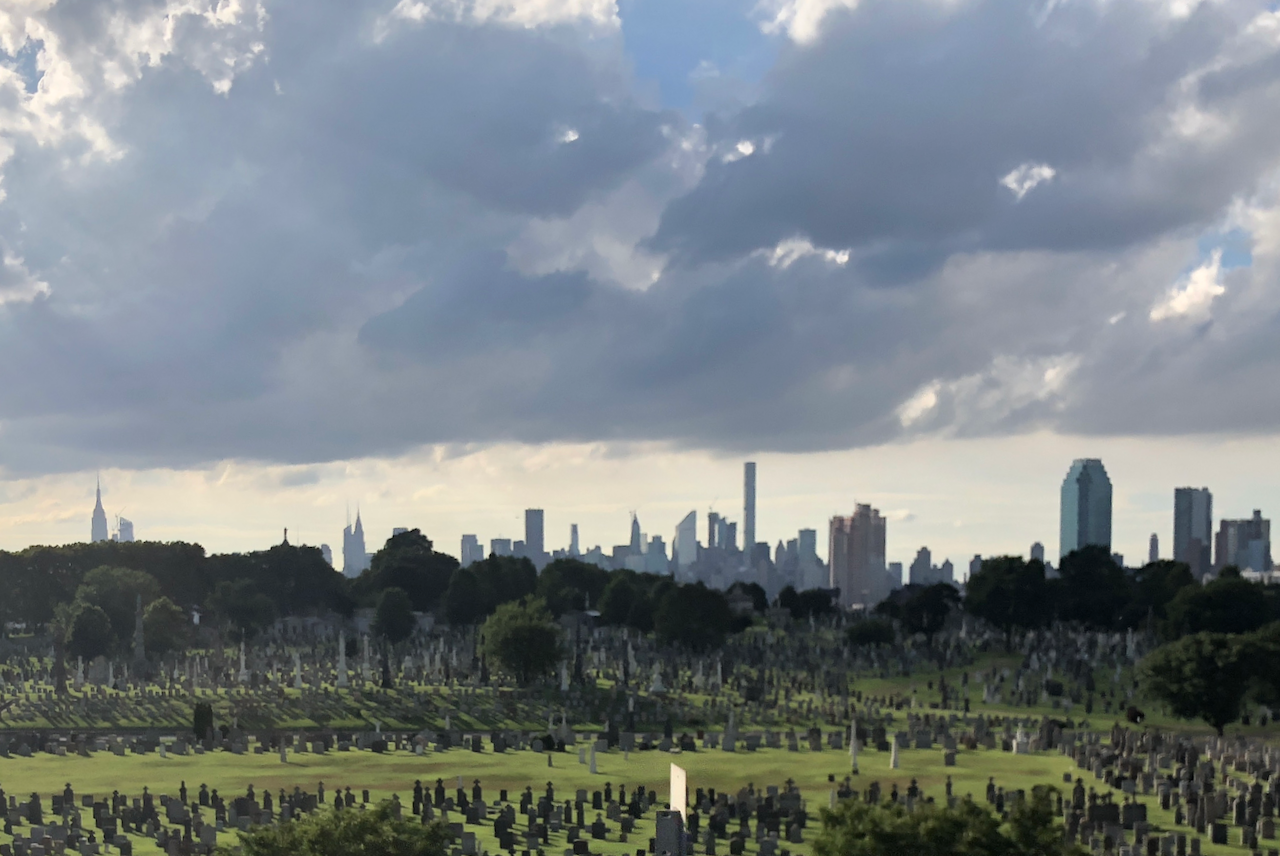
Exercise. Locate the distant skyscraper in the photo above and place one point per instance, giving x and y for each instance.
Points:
(713, 530)
(574, 549)
(1153, 549)
(124, 530)
(856, 557)
(1037, 552)
(327, 553)
(748, 507)
(922, 568)
(975, 565)
(533, 533)
(730, 539)
(398, 530)
(1086, 507)
(895, 575)
(1193, 528)
(1244, 543)
(98, 529)
(354, 558)
(637, 537)
(472, 550)
(686, 540)
(500, 546)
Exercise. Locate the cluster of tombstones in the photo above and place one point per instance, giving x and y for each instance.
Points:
(1211, 786)
(526, 825)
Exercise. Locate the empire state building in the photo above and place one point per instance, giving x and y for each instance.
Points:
(99, 518)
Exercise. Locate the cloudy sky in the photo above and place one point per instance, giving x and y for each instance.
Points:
(263, 260)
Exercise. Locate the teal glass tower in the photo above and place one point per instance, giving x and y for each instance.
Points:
(1086, 507)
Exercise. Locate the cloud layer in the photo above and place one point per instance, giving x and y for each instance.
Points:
(300, 232)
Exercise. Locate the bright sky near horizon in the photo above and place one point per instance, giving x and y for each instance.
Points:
(263, 260)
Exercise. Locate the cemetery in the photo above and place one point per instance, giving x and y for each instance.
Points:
(762, 728)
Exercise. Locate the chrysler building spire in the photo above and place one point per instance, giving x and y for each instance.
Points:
(99, 532)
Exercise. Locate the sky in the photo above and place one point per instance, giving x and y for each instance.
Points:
(442, 260)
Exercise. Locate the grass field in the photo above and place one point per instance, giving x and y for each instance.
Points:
(395, 773)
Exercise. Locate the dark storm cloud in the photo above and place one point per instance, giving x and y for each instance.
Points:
(898, 124)
(286, 237)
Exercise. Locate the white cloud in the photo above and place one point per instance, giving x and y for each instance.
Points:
(17, 284)
(744, 149)
(981, 401)
(801, 20)
(1024, 179)
(1194, 296)
(920, 404)
(788, 252)
(519, 13)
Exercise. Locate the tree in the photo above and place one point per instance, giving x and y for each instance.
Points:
(921, 609)
(116, 592)
(856, 828)
(91, 635)
(1153, 587)
(164, 627)
(1203, 676)
(1092, 588)
(202, 720)
(694, 616)
(803, 604)
(1230, 605)
(523, 639)
(241, 605)
(870, 631)
(464, 601)
(618, 598)
(409, 561)
(569, 584)
(1009, 593)
(759, 599)
(339, 833)
(394, 619)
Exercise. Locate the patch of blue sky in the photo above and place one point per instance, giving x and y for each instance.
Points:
(1236, 246)
(680, 43)
(24, 63)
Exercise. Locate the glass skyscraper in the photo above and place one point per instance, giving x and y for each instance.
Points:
(1086, 507)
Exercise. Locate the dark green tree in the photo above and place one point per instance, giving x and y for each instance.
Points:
(523, 639)
(341, 833)
(870, 631)
(1204, 676)
(1230, 605)
(1008, 593)
(202, 719)
(921, 609)
(618, 598)
(408, 561)
(693, 616)
(165, 627)
(1153, 587)
(1092, 588)
(394, 619)
(856, 828)
(759, 599)
(569, 584)
(465, 601)
(242, 607)
(116, 592)
(91, 635)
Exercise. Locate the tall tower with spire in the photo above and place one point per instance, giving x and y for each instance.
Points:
(354, 558)
(99, 529)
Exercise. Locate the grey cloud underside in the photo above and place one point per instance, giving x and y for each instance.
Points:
(313, 266)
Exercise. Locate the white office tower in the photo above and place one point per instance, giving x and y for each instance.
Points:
(686, 540)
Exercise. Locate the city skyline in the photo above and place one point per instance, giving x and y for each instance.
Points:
(312, 246)
(909, 530)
